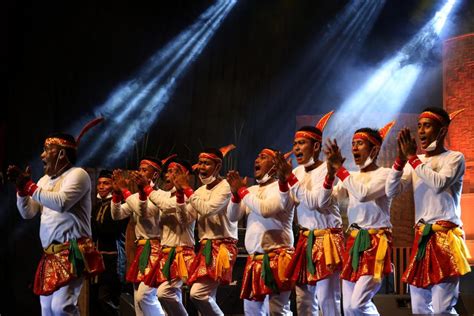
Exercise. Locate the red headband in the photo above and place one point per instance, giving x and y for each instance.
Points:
(177, 165)
(433, 116)
(366, 136)
(60, 142)
(210, 156)
(268, 152)
(307, 134)
(151, 163)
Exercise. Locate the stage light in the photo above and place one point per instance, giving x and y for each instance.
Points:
(384, 93)
(133, 107)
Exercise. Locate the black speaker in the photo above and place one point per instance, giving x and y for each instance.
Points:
(126, 305)
(393, 305)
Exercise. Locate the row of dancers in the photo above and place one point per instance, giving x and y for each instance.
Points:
(310, 195)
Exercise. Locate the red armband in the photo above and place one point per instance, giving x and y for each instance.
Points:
(179, 196)
(414, 161)
(117, 197)
(28, 189)
(242, 192)
(188, 192)
(342, 173)
(235, 198)
(148, 189)
(399, 164)
(328, 182)
(292, 179)
(126, 194)
(283, 186)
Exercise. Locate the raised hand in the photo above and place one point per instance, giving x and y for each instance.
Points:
(406, 144)
(180, 179)
(18, 176)
(283, 167)
(118, 181)
(334, 157)
(235, 181)
(139, 179)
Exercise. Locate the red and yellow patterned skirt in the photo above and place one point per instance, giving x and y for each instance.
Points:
(297, 270)
(253, 283)
(445, 256)
(56, 270)
(178, 269)
(134, 275)
(367, 259)
(224, 254)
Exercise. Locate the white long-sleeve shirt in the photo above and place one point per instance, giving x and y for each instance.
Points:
(147, 225)
(308, 191)
(437, 186)
(65, 206)
(369, 206)
(269, 223)
(209, 207)
(174, 231)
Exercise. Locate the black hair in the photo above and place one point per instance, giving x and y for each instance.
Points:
(105, 174)
(441, 112)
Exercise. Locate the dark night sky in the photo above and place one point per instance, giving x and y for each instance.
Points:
(63, 58)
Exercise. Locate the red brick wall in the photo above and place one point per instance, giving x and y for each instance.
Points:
(458, 80)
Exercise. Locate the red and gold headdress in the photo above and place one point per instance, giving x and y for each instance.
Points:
(151, 163)
(269, 152)
(164, 161)
(319, 126)
(224, 150)
(56, 140)
(383, 132)
(439, 118)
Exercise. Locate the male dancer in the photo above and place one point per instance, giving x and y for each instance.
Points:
(370, 238)
(146, 231)
(63, 197)
(217, 234)
(268, 237)
(439, 254)
(317, 262)
(177, 241)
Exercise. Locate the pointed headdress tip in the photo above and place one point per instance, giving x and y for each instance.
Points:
(323, 121)
(226, 149)
(452, 115)
(288, 154)
(386, 129)
(164, 161)
(87, 127)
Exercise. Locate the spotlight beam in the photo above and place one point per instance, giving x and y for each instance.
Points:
(381, 97)
(133, 106)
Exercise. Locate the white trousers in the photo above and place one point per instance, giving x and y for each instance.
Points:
(324, 296)
(145, 300)
(170, 297)
(273, 305)
(63, 301)
(436, 299)
(203, 294)
(357, 296)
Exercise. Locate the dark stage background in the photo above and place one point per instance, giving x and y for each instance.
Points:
(262, 68)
